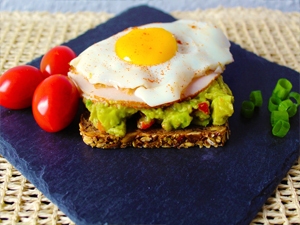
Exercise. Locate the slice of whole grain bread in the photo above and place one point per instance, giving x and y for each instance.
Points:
(193, 136)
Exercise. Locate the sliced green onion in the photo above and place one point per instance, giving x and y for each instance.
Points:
(256, 98)
(281, 128)
(279, 115)
(292, 110)
(247, 109)
(289, 106)
(284, 105)
(273, 103)
(296, 96)
(282, 88)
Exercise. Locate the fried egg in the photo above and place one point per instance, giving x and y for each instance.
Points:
(153, 64)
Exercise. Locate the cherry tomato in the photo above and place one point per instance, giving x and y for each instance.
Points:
(17, 86)
(56, 61)
(55, 102)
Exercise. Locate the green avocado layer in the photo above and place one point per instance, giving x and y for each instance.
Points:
(112, 117)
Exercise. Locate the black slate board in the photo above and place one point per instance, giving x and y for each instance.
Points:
(159, 186)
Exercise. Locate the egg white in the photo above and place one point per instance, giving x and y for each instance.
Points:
(202, 49)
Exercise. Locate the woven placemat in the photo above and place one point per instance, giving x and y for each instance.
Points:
(23, 36)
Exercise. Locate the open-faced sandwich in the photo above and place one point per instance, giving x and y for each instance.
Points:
(156, 86)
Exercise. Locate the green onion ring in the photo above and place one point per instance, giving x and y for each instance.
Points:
(284, 105)
(273, 103)
(256, 98)
(289, 106)
(296, 96)
(247, 109)
(282, 88)
(279, 115)
(292, 110)
(281, 128)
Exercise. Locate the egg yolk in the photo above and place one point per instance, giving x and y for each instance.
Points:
(146, 47)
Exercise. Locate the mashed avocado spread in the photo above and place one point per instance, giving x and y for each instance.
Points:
(212, 106)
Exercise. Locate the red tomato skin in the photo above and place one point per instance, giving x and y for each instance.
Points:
(17, 86)
(204, 107)
(143, 125)
(56, 61)
(55, 103)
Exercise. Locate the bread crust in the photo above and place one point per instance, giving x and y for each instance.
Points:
(193, 136)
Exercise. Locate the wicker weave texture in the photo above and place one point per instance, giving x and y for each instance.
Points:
(24, 36)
